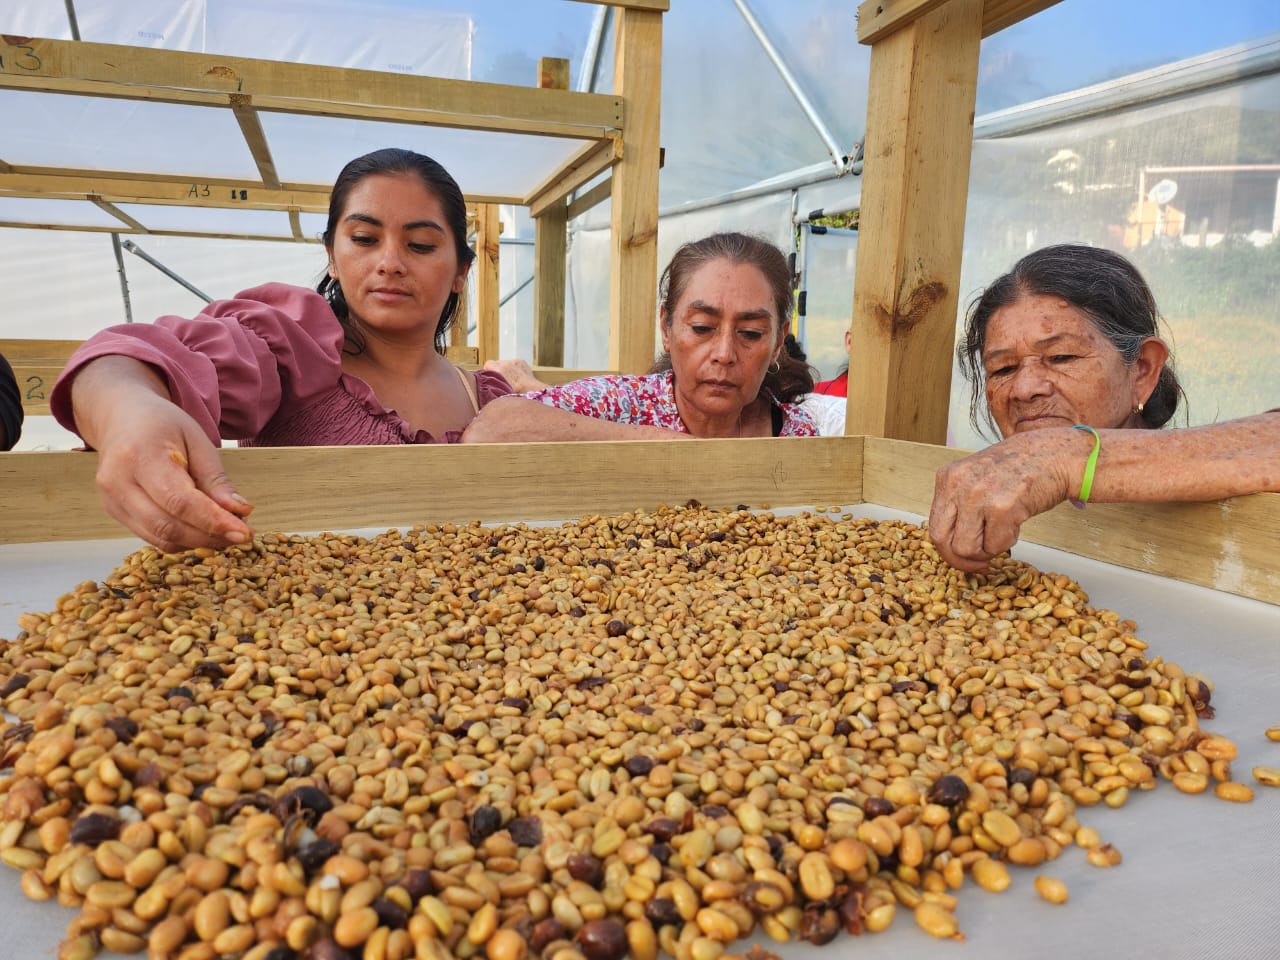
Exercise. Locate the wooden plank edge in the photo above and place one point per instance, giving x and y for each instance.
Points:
(51, 496)
(878, 19)
(662, 6)
(129, 72)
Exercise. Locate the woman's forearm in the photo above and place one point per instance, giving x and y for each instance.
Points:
(1200, 463)
(515, 420)
(104, 387)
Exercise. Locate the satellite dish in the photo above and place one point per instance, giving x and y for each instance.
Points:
(1162, 192)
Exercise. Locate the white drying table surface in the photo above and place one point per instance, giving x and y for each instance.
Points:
(1200, 878)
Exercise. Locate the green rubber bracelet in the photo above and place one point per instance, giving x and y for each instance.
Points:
(1086, 483)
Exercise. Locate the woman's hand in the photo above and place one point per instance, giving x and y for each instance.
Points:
(981, 502)
(158, 473)
(518, 373)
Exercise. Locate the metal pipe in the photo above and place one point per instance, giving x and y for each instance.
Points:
(804, 176)
(138, 252)
(71, 19)
(838, 156)
(591, 57)
(1228, 65)
(515, 290)
(502, 302)
(124, 278)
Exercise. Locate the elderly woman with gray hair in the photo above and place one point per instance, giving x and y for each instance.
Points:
(1065, 351)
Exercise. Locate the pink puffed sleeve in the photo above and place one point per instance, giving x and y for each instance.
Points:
(490, 385)
(233, 366)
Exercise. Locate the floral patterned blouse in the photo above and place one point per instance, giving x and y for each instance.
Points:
(647, 400)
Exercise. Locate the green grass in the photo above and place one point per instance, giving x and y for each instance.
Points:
(1228, 365)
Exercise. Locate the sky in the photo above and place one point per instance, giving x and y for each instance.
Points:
(1077, 43)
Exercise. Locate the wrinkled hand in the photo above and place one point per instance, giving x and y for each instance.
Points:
(981, 502)
(518, 373)
(161, 477)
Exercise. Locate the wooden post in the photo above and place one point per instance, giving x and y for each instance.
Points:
(915, 182)
(553, 73)
(486, 267)
(633, 277)
(550, 247)
(458, 332)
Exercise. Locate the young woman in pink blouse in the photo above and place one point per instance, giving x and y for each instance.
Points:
(359, 360)
(725, 304)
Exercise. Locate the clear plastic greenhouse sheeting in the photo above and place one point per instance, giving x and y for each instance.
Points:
(827, 281)
(78, 292)
(391, 37)
(1204, 232)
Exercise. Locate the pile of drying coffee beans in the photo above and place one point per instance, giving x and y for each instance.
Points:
(628, 734)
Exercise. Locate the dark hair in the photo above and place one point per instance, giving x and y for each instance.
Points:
(792, 378)
(1102, 285)
(393, 161)
(793, 347)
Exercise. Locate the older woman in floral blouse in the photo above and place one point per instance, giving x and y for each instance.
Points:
(725, 303)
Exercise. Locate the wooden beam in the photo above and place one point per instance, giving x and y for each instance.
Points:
(550, 248)
(113, 210)
(419, 116)
(998, 14)
(633, 276)
(174, 76)
(463, 355)
(633, 4)
(551, 375)
(35, 384)
(914, 185)
(188, 180)
(173, 191)
(585, 201)
(1227, 545)
(585, 166)
(462, 314)
(50, 496)
(295, 225)
(877, 19)
(151, 232)
(486, 267)
(24, 348)
(256, 139)
(36, 365)
(449, 119)
(553, 73)
(601, 191)
(557, 375)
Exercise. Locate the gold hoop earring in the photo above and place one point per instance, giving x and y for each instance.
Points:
(1138, 409)
(775, 367)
